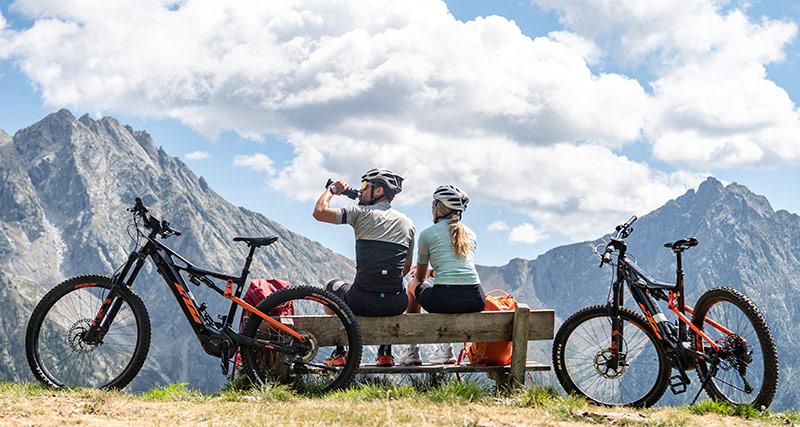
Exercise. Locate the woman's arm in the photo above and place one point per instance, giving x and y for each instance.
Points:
(421, 272)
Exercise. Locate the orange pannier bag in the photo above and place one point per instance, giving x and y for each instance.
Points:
(491, 353)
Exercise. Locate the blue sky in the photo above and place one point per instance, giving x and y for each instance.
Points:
(621, 108)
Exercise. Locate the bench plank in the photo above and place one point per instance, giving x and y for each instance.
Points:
(519, 340)
(429, 327)
(428, 369)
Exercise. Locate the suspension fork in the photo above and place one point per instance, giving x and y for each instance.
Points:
(617, 300)
(111, 304)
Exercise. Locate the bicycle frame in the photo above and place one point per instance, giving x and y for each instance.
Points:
(645, 292)
(215, 337)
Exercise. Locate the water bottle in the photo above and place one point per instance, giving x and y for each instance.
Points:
(350, 192)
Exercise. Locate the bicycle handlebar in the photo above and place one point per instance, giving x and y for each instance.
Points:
(621, 231)
(161, 228)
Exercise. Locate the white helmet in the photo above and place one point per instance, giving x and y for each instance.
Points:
(386, 178)
(452, 197)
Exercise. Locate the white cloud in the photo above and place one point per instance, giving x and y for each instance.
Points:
(713, 103)
(258, 161)
(514, 120)
(497, 226)
(197, 155)
(525, 234)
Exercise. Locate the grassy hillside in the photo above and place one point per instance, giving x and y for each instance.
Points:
(368, 405)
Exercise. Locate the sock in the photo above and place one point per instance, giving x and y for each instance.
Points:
(339, 350)
(385, 349)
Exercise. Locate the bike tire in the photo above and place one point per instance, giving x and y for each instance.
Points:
(84, 310)
(252, 358)
(758, 329)
(563, 344)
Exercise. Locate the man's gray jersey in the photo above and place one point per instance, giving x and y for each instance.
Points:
(384, 240)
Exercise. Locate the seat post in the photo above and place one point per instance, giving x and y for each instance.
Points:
(679, 286)
(247, 261)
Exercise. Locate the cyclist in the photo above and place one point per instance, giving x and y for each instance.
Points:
(384, 240)
(449, 245)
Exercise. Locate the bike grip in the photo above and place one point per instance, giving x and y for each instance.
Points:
(631, 220)
(328, 184)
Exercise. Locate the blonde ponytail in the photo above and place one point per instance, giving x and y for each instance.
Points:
(459, 237)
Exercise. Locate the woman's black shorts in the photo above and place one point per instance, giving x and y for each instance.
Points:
(450, 298)
(366, 303)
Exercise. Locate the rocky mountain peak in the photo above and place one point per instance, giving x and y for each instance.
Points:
(64, 186)
(5, 139)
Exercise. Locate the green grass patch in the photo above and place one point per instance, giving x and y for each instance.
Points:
(711, 406)
(173, 393)
(456, 392)
(23, 389)
(375, 392)
(570, 408)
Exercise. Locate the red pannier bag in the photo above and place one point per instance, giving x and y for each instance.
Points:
(256, 292)
(260, 289)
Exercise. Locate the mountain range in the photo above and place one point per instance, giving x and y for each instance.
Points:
(65, 183)
(744, 243)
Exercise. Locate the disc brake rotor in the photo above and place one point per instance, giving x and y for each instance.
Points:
(603, 364)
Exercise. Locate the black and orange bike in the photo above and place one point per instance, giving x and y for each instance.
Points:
(93, 331)
(614, 356)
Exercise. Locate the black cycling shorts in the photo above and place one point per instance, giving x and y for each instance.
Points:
(450, 298)
(366, 303)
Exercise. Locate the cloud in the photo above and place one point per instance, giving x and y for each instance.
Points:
(4, 37)
(497, 226)
(519, 121)
(525, 234)
(258, 161)
(713, 103)
(197, 155)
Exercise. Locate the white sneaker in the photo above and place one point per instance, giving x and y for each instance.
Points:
(443, 355)
(411, 357)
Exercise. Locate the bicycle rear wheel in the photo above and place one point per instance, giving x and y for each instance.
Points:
(307, 373)
(57, 352)
(747, 372)
(585, 364)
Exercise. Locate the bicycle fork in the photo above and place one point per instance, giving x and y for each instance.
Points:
(111, 304)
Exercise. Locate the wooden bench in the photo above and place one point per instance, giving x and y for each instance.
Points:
(519, 327)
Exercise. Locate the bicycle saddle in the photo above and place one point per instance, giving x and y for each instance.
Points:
(257, 241)
(681, 244)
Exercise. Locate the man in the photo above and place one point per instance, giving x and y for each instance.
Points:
(384, 244)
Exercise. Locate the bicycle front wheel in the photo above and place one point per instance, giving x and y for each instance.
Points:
(311, 370)
(57, 352)
(586, 365)
(747, 368)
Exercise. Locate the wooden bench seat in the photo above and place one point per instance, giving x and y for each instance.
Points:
(518, 326)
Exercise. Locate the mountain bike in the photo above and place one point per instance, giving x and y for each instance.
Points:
(94, 331)
(614, 356)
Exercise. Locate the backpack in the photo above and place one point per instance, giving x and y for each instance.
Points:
(256, 292)
(260, 289)
(491, 353)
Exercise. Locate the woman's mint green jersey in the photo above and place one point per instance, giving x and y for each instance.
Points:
(436, 247)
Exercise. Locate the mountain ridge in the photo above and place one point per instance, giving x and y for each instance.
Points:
(64, 186)
(744, 243)
(65, 182)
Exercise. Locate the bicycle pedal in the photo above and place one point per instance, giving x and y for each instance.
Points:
(677, 384)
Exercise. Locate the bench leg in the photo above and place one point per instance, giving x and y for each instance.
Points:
(519, 342)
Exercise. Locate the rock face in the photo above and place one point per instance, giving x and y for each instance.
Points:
(744, 243)
(64, 187)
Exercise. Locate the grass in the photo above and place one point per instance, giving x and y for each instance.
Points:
(568, 408)
(173, 393)
(721, 408)
(372, 402)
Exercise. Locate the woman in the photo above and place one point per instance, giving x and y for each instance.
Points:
(449, 246)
